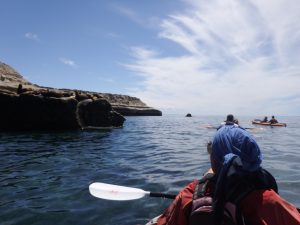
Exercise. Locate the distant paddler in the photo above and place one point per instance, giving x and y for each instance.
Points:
(230, 120)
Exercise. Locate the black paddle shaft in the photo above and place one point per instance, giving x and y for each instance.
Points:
(162, 195)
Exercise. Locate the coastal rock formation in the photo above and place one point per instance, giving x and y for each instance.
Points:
(10, 79)
(98, 113)
(35, 112)
(29, 111)
(26, 106)
(130, 106)
(123, 104)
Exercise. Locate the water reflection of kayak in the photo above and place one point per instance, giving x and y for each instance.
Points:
(258, 122)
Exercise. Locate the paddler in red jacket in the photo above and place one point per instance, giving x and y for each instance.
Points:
(236, 163)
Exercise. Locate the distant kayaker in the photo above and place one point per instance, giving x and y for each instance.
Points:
(237, 181)
(230, 120)
(265, 119)
(273, 120)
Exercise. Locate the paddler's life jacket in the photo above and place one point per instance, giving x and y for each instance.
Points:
(202, 211)
(202, 206)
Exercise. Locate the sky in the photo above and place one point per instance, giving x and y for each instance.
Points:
(180, 56)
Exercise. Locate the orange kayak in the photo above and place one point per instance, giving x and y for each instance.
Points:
(257, 122)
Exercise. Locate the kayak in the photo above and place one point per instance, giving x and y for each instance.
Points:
(257, 122)
(154, 220)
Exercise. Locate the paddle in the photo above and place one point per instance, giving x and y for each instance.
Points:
(120, 193)
(116, 192)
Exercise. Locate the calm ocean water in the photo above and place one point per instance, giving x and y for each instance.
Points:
(44, 177)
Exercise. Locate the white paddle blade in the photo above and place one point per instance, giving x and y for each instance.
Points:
(115, 192)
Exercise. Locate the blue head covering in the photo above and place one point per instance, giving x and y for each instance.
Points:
(231, 141)
(234, 151)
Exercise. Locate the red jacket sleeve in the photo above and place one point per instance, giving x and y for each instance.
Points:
(265, 207)
(179, 210)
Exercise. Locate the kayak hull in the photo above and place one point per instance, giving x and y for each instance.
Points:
(268, 124)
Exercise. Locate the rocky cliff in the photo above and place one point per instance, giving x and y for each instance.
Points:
(10, 80)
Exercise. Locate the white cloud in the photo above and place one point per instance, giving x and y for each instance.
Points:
(241, 57)
(68, 62)
(129, 13)
(32, 36)
(136, 16)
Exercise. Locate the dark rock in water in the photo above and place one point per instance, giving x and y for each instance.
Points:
(29, 111)
(98, 113)
(25, 106)
(188, 115)
(35, 112)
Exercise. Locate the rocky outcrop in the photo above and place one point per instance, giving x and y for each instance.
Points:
(98, 113)
(10, 79)
(32, 111)
(136, 110)
(130, 106)
(123, 104)
(35, 112)
(26, 106)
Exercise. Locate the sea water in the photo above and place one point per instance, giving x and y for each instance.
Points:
(44, 176)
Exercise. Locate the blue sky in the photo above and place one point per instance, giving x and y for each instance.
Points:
(204, 57)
